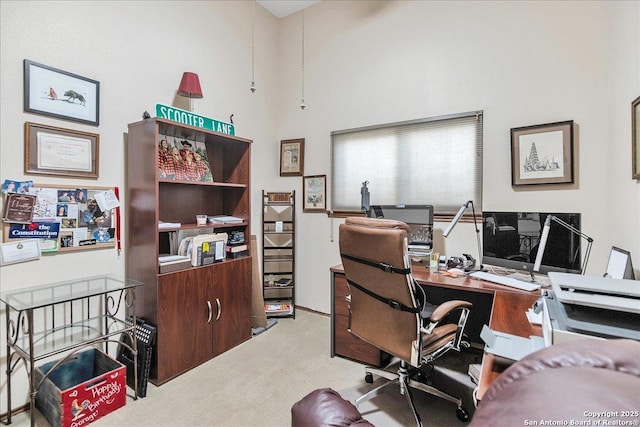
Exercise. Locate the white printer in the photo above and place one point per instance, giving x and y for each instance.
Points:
(581, 306)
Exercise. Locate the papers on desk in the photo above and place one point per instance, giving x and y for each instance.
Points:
(509, 347)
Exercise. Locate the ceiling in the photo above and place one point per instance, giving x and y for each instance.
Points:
(282, 8)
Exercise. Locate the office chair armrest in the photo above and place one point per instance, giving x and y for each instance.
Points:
(447, 307)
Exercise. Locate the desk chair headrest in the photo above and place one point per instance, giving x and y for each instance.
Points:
(377, 223)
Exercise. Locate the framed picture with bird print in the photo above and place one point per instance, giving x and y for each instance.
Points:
(56, 93)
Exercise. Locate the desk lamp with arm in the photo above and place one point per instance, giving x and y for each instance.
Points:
(453, 223)
(545, 236)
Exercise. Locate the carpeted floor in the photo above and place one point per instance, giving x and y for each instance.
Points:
(390, 408)
(256, 383)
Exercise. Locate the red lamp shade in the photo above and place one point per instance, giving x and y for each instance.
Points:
(190, 86)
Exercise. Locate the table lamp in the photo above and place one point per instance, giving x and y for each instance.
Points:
(545, 236)
(190, 87)
(455, 220)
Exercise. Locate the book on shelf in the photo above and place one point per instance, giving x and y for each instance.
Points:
(210, 252)
(224, 219)
(279, 197)
(165, 225)
(167, 258)
(283, 282)
(234, 255)
(236, 248)
(278, 307)
(211, 245)
(169, 263)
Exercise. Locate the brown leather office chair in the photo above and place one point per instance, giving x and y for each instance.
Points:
(388, 308)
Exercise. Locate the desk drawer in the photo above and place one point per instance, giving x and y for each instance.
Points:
(348, 345)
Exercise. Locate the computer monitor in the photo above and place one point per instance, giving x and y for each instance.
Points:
(619, 265)
(511, 239)
(418, 217)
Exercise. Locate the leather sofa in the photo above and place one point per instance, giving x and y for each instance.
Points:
(577, 382)
(325, 407)
(574, 383)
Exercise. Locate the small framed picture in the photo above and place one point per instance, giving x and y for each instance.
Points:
(292, 157)
(542, 154)
(50, 150)
(314, 193)
(635, 137)
(56, 93)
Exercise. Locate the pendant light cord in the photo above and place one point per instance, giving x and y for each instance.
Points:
(302, 105)
(253, 46)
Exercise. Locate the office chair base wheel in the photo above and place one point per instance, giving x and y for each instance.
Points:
(368, 377)
(462, 414)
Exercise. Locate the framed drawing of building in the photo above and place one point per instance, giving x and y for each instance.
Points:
(542, 154)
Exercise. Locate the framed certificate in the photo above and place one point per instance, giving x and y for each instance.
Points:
(50, 150)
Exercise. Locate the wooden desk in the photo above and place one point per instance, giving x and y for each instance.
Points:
(507, 315)
(501, 307)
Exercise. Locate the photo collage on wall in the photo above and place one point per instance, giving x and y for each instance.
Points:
(65, 218)
(183, 160)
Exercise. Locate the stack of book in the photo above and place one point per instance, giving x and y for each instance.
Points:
(167, 225)
(224, 219)
(169, 263)
(236, 251)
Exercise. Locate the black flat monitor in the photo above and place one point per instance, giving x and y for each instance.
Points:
(511, 240)
(619, 265)
(418, 217)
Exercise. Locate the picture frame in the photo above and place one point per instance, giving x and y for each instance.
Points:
(50, 150)
(542, 154)
(635, 137)
(314, 193)
(56, 93)
(292, 157)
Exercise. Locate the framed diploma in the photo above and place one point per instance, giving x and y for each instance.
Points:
(50, 150)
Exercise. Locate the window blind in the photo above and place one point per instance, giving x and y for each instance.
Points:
(435, 161)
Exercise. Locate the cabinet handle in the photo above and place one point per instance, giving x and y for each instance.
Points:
(210, 312)
(219, 308)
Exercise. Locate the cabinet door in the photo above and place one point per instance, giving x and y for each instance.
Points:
(185, 321)
(232, 304)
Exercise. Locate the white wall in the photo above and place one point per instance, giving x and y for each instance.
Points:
(621, 193)
(523, 63)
